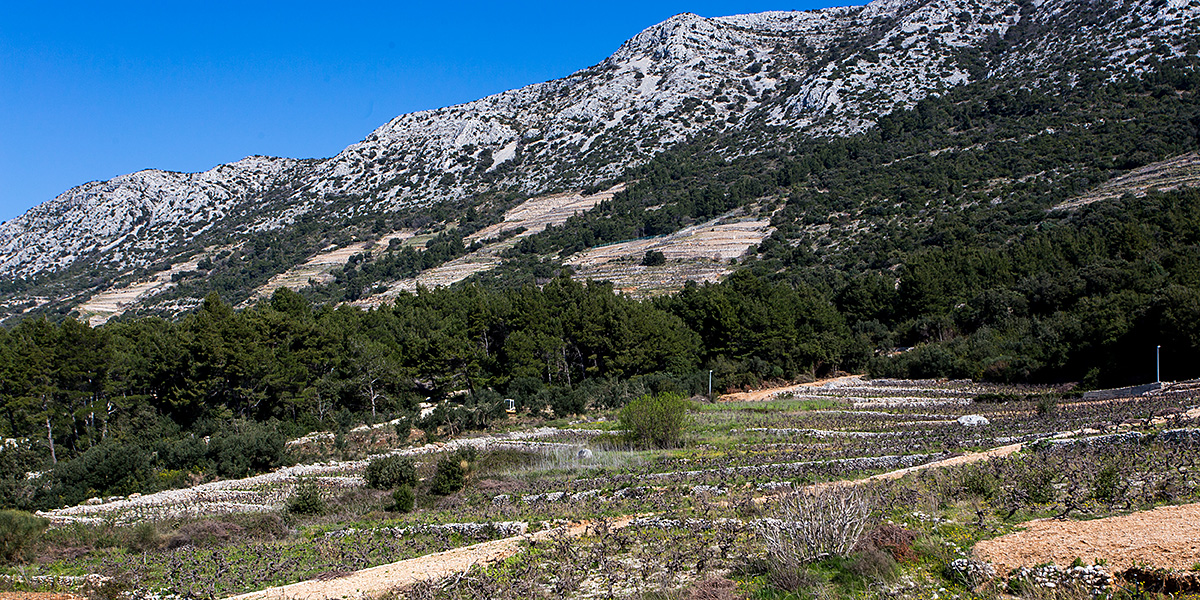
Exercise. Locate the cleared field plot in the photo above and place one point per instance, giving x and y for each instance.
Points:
(101, 307)
(1166, 537)
(452, 272)
(532, 216)
(536, 214)
(639, 281)
(318, 268)
(701, 253)
(716, 240)
(1180, 172)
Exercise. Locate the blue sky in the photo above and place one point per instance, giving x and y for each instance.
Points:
(89, 91)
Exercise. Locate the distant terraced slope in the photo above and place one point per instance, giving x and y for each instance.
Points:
(828, 72)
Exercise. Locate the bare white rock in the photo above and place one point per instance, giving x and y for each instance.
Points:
(972, 420)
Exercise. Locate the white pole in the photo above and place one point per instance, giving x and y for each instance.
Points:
(1157, 364)
(710, 384)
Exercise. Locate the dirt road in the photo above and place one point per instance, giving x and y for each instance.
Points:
(769, 393)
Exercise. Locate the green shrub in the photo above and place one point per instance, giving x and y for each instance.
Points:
(657, 421)
(389, 472)
(653, 258)
(248, 449)
(1046, 406)
(404, 429)
(451, 476)
(306, 499)
(402, 499)
(18, 530)
(1106, 486)
(108, 468)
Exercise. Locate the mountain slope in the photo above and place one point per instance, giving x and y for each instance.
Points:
(772, 76)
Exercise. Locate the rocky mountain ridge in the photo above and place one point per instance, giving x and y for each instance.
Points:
(828, 72)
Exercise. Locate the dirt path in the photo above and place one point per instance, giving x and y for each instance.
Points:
(962, 459)
(1167, 537)
(953, 461)
(769, 393)
(376, 581)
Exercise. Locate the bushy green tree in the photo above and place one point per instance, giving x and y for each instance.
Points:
(451, 474)
(449, 478)
(403, 499)
(18, 530)
(390, 472)
(306, 499)
(656, 421)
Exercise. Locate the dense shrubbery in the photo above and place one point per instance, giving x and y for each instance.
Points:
(452, 471)
(658, 421)
(306, 499)
(17, 531)
(390, 472)
(121, 468)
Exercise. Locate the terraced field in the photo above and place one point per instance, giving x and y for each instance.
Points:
(574, 511)
(1176, 173)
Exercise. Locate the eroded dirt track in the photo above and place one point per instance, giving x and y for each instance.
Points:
(1167, 537)
(770, 393)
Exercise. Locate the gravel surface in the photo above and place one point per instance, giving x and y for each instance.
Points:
(1167, 537)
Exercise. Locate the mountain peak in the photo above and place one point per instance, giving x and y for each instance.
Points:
(828, 72)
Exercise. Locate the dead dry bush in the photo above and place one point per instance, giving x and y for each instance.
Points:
(894, 540)
(814, 524)
(218, 532)
(715, 588)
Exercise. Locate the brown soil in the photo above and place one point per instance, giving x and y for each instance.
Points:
(1167, 537)
(953, 461)
(769, 393)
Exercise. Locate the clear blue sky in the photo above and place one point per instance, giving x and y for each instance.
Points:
(92, 90)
